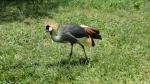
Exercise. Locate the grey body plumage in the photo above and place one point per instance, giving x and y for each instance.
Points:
(71, 33)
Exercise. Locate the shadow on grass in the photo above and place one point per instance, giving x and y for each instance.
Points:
(18, 10)
(64, 62)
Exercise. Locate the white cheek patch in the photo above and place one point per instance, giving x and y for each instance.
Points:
(50, 29)
(83, 26)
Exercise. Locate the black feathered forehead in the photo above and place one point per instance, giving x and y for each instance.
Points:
(47, 27)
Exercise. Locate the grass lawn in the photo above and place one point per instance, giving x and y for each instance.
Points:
(29, 56)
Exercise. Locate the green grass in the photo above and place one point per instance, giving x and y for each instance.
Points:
(29, 56)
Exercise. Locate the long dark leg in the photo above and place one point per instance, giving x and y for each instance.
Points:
(84, 51)
(70, 52)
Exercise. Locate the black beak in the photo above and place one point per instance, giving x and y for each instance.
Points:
(46, 31)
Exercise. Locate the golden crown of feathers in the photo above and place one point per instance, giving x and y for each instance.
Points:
(52, 24)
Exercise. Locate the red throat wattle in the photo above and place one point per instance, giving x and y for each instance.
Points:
(50, 33)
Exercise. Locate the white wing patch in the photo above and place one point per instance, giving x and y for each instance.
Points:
(83, 25)
(84, 40)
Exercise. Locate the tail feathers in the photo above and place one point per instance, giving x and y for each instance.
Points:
(92, 32)
(93, 43)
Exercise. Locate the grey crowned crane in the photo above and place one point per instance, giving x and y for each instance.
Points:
(72, 33)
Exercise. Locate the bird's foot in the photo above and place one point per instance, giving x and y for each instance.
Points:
(84, 61)
(87, 61)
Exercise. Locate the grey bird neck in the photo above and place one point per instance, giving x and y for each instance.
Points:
(55, 38)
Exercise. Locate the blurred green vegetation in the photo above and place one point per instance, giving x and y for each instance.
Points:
(29, 56)
(19, 10)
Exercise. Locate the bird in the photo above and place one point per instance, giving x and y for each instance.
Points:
(74, 34)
